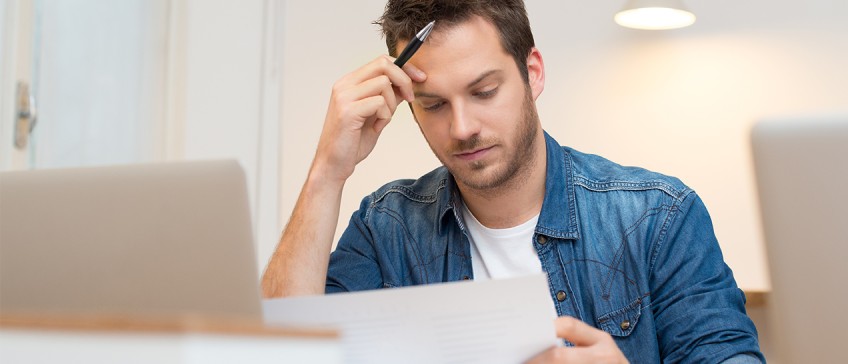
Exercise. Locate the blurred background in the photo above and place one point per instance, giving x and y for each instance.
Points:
(116, 82)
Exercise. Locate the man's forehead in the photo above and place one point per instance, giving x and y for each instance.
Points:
(456, 56)
(464, 81)
(439, 34)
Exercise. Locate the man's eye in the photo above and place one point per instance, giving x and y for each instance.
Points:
(434, 107)
(486, 94)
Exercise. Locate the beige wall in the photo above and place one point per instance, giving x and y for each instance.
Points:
(678, 102)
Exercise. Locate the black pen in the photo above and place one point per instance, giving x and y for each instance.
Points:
(413, 45)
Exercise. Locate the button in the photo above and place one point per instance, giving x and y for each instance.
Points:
(561, 296)
(624, 325)
(542, 239)
(465, 278)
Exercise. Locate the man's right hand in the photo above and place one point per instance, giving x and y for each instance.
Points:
(361, 105)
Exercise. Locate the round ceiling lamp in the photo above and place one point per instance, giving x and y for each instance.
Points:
(654, 15)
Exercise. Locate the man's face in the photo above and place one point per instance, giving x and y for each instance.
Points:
(475, 110)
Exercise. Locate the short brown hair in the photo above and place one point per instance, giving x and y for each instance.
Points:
(402, 19)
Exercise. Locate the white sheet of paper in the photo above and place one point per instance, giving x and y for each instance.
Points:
(496, 321)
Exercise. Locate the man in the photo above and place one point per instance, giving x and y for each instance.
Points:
(634, 269)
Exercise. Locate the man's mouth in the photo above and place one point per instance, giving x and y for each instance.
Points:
(474, 154)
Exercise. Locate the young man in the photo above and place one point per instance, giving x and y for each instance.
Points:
(634, 268)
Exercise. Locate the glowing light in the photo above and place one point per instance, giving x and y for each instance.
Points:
(654, 15)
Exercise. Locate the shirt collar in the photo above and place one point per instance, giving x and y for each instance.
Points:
(559, 209)
(558, 218)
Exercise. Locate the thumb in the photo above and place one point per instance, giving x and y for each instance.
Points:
(577, 332)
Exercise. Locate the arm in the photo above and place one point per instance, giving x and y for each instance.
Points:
(361, 105)
(698, 309)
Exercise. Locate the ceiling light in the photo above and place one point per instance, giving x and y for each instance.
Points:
(654, 15)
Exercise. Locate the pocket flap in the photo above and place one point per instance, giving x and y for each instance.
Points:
(621, 322)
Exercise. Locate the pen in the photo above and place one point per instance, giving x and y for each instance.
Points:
(413, 45)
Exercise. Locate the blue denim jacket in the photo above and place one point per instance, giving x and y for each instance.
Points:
(626, 250)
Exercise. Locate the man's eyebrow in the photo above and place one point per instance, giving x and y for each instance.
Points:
(426, 94)
(482, 77)
(471, 84)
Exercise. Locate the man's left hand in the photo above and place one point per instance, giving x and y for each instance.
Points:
(591, 345)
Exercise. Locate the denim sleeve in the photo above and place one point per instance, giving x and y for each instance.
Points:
(353, 265)
(743, 359)
(699, 310)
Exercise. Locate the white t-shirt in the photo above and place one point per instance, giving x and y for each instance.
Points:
(501, 253)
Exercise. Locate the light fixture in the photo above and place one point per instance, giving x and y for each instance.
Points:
(654, 15)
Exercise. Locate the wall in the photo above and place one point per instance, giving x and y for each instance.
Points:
(679, 102)
(223, 100)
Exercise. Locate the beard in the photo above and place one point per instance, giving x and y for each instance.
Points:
(514, 170)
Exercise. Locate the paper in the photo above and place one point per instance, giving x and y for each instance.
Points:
(496, 321)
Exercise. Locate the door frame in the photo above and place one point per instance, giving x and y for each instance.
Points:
(15, 67)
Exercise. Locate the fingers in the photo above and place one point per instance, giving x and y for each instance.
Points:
(578, 332)
(372, 101)
(401, 79)
(361, 105)
(371, 109)
(592, 345)
(377, 86)
(414, 73)
(380, 77)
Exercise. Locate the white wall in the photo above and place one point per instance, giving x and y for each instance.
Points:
(679, 102)
(223, 100)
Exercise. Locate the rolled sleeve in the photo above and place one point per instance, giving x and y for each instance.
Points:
(699, 310)
(353, 265)
(743, 359)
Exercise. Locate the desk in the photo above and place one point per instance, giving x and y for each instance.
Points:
(756, 299)
(116, 339)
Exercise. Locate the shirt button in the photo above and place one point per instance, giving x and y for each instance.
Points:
(625, 325)
(542, 239)
(561, 296)
(465, 278)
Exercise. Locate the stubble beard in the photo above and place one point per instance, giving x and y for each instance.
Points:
(516, 171)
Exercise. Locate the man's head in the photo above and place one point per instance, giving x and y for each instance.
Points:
(402, 19)
(476, 106)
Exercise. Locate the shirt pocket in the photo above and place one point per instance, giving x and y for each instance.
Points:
(622, 322)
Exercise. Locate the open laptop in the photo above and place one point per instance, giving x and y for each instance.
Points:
(169, 239)
(802, 175)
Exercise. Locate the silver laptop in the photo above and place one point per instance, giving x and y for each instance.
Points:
(802, 175)
(166, 239)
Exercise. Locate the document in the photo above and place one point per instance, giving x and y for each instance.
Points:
(497, 321)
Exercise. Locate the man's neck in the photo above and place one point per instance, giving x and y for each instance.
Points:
(515, 202)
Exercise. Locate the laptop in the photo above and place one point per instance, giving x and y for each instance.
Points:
(802, 177)
(170, 239)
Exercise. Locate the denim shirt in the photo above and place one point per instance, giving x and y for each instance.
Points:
(626, 250)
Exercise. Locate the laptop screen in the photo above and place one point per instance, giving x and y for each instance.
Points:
(153, 239)
(802, 177)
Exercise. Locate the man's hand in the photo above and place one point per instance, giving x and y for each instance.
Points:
(361, 105)
(591, 345)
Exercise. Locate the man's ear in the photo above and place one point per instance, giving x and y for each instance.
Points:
(535, 72)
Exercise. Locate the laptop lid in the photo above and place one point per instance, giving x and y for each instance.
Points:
(153, 239)
(802, 177)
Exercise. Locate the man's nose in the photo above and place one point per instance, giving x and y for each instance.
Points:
(463, 125)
